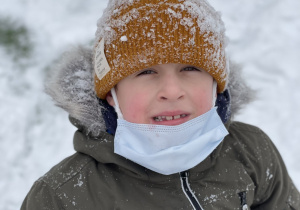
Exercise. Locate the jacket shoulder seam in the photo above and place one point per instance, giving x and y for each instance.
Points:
(75, 174)
(56, 186)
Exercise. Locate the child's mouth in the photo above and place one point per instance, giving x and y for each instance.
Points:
(168, 118)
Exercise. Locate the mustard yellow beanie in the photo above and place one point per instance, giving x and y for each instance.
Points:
(135, 34)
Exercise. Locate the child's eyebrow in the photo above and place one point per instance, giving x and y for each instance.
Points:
(140, 71)
(146, 69)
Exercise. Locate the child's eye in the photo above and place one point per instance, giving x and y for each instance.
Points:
(191, 68)
(146, 72)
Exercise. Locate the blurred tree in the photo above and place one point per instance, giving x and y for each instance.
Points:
(15, 39)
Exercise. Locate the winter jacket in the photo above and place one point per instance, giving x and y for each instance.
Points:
(245, 170)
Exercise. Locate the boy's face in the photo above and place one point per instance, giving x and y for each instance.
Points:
(167, 94)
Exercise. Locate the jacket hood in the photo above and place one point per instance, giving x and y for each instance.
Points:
(71, 86)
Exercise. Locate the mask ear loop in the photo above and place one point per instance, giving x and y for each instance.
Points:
(214, 92)
(116, 106)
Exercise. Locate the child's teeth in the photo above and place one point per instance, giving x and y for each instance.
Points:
(176, 117)
(163, 118)
(159, 118)
(169, 117)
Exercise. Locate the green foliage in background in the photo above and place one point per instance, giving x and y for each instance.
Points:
(15, 38)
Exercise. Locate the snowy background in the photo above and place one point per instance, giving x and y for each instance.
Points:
(35, 135)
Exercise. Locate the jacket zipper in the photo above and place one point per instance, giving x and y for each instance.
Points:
(188, 192)
(243, 200)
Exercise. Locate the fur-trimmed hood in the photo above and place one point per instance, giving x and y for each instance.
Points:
(71, 86)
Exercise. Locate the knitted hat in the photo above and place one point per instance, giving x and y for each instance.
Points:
(135, 34)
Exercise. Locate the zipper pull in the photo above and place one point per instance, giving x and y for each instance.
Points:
(243, 199)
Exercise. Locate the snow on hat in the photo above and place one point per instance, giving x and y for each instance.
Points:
(135, 34)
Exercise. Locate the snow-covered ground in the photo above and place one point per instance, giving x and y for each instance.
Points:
(35, 135)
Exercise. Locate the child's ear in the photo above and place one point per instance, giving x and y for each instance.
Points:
(110, 99)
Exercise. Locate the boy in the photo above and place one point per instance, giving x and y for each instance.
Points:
(153, 106)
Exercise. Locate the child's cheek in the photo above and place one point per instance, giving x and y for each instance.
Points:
(203, 101)
(136, 109)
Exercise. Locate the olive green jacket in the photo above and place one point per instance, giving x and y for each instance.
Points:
(244, 170)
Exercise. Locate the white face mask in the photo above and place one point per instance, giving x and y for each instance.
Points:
(169, 149)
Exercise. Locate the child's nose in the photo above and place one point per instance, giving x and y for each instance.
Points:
(170, 88)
